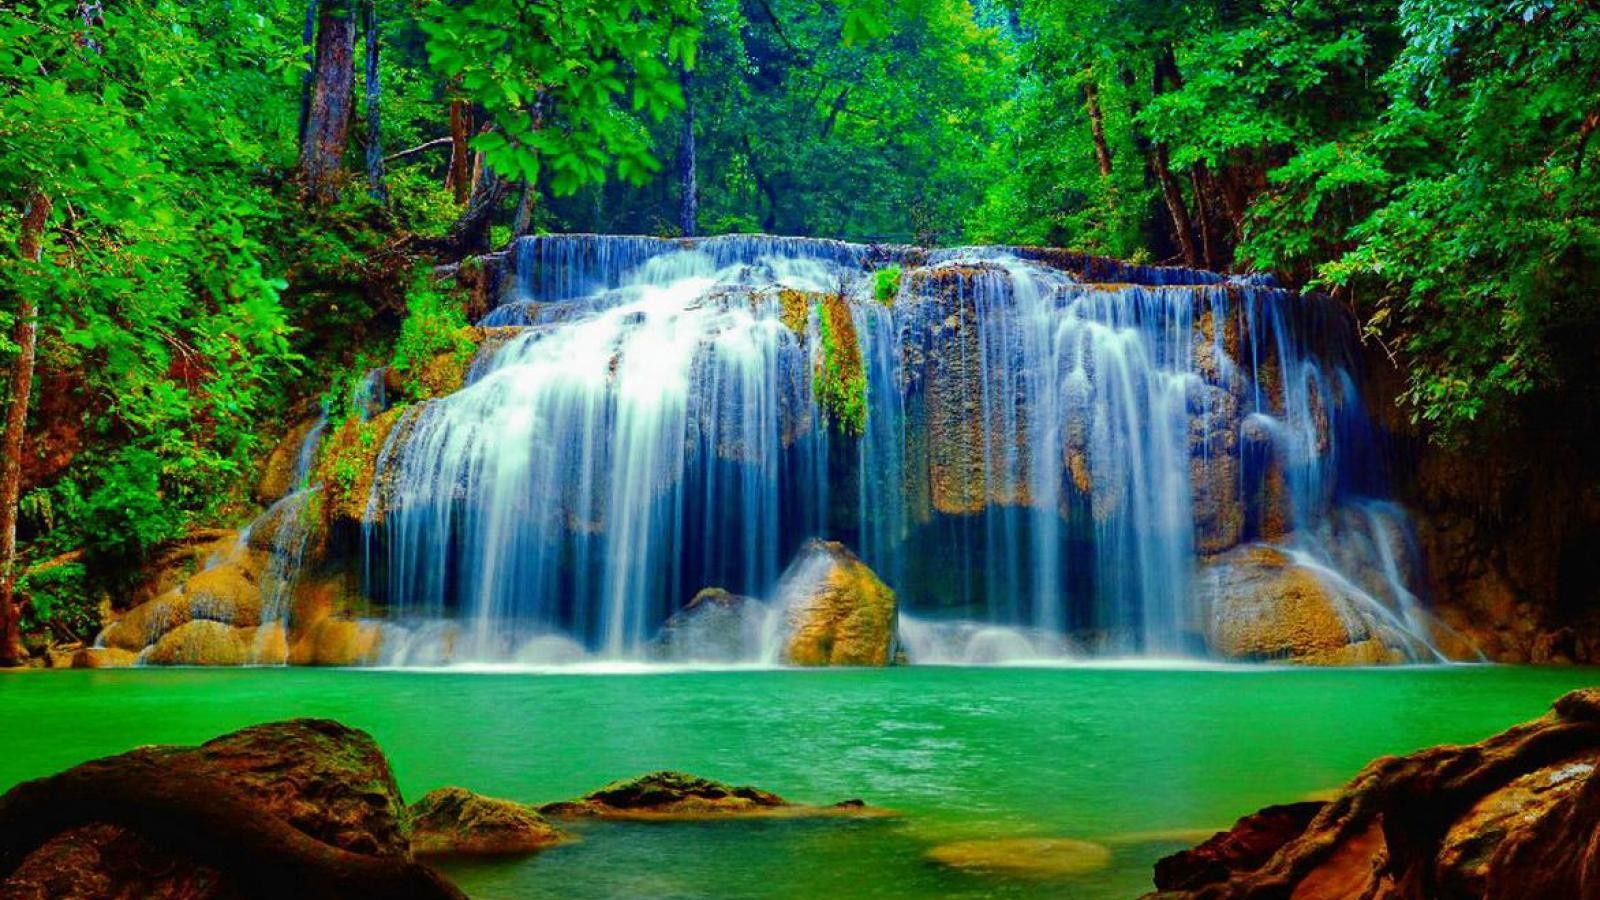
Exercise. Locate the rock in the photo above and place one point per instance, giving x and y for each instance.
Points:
(327, 781)
(1510, 817)
(145, 624)
(452, 820)
(337, 642)
(206, 643)
(1264, 606)
(229, 591)
(103, 658)
(838, 612)
(1023, 857)
(1243, 848)
(676, 795)
(715, 626)
(277, 474)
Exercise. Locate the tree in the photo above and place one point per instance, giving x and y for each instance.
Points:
(332, 82)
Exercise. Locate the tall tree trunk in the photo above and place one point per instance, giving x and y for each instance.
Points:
(30, 246)
(1166, 69)
(1173, 195)
(1202, 209)
(469, 234)
(308, 37)
(688, 187)
(332, 95)
(522, 221)
(1097, 124)
(369, 24)
(460, 175)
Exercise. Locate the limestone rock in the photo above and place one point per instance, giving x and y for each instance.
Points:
(103, 658)
(838, 611)
(337, 642)
(277, 474)
(1264, 605)
(1511, 817)
(715, 626)
(205, 643)
(453, 820)
(1243, 848)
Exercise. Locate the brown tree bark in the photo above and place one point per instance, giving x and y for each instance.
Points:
(1198, 180)
(369, 25)
(522, 220)
(459, 176)
(1097, 124)
(688, 187)
(30, 246)
(332, 96)
(1182, 229)
(308, 37)
(209, 821)
(469, 234)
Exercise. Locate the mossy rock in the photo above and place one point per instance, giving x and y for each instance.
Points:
(277, 473)
(455, 821)
(839, 612)
(337, 642)
(1023, 857)
(205, 643)
(104, 658)
(349, 464)
(669, 795)
(839, 382)
(143, 625)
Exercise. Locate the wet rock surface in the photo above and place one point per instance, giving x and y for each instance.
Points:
(1513, 816)
(676, 795)
(714, 626)
(455, 821)
(839, 613)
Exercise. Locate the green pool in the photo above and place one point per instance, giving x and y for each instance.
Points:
(1117, 755)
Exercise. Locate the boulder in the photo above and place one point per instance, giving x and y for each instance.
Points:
(452, 820)
(676, 795)
(205, 643)
(1513, 816)
(146, 623)
(229, 591)
(838, 612)
(1264, 605)
(312, 797)
(715, 626)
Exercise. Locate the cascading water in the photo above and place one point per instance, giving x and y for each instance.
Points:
(1043, 460)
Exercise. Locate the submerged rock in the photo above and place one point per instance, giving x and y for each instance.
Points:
(1264, 606)
(326, 781)
(1511, 817)
(839, 613)
(1023, 857)
(677, 795)
(453, 820)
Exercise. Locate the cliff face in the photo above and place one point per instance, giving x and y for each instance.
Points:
(1508, 522)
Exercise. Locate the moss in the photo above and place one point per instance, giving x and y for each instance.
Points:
(886, 285)
(349, 462)
(795, 309)
(839, 383)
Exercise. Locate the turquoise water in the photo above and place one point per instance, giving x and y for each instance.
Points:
(1105, 754)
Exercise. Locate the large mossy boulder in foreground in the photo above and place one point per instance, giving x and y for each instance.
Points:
(1264, 605)
(1515, 816)
(838, 612)
(669, 795)
(304, 808)
(455, 821)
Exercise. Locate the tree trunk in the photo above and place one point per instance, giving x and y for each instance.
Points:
(30, 246)
(1173, 195)
(460, 174)
(1097, 124)
(470, 232)
(369, 9)
(207, 820)
(1202, 210)
(332, 93)
(689, 189)
(308, 37)
(522, 221)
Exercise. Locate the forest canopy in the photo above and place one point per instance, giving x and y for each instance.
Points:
(214, 210)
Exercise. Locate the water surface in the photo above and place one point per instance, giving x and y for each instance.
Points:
(1111, 754)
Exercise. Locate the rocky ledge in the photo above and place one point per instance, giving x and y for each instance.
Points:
(1515, 816)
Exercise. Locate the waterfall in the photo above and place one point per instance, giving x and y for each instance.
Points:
(1051, 443)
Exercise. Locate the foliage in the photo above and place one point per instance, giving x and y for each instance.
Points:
(886, 285)
(435, 325)
(59, 593)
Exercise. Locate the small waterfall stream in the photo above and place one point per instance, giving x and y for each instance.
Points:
(1049, 448)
